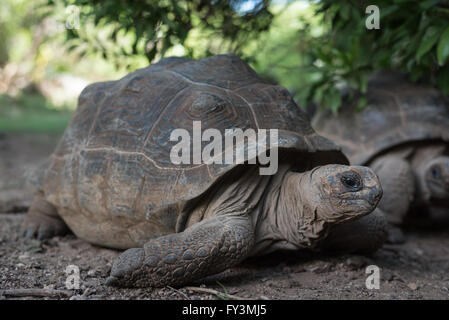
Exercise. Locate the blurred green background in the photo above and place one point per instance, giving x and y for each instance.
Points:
(51, 49)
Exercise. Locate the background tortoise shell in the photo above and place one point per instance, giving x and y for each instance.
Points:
(397, 112)
(111, 173)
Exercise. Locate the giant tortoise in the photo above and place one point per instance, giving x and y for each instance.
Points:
(112, 182)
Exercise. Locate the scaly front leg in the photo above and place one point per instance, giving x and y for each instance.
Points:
(206, 248)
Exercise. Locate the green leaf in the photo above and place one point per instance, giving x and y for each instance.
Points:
(443, 47)
(345, 12)
(430, 38)
(384, 12)
(415, 74)
(443, 80)
(361, 103)
(226, 296)
(332, 99)
(428, 4)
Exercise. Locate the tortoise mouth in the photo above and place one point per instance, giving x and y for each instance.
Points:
(366, 203)
(437, 183)
(346, 198)
(369, 196)
(438, 188)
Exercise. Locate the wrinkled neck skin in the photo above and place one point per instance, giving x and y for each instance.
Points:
(288, 218)
(279, 206)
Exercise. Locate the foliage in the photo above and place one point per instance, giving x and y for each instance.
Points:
(151, 27)
(281, 54)
(314, 48)
(413, 38)
(16, 19)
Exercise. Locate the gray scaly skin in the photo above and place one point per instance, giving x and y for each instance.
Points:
(244, 224)
(175, 259)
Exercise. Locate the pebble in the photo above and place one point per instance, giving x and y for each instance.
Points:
(419, 252)
(413, 286)
(24, 256)
(323, 268)
(356, 262)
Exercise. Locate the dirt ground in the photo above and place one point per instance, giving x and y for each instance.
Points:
(418, 269)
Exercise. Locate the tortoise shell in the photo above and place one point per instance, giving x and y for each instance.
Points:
(398, 112)
(111, 177)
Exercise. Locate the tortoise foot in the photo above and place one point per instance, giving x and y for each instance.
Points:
(42, 221)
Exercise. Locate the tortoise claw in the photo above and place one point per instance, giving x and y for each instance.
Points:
(43, 229)
(125, 266)
(42, 221)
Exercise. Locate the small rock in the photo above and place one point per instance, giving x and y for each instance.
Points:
(91, 273)
(35, 246)
(50, 287)
(326, 267)
(20, 265)
(138, 292)
(356, 262)
(88, 292)
(24, 256)
(413, 286)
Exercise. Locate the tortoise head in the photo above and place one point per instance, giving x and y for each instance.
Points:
(340, 193)
(436, 177)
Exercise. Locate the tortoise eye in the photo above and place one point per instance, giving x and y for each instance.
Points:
(352, 180)
(435, 171)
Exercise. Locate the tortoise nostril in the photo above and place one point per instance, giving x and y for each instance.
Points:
(374, 195)
(378, 195)
(352, 180)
